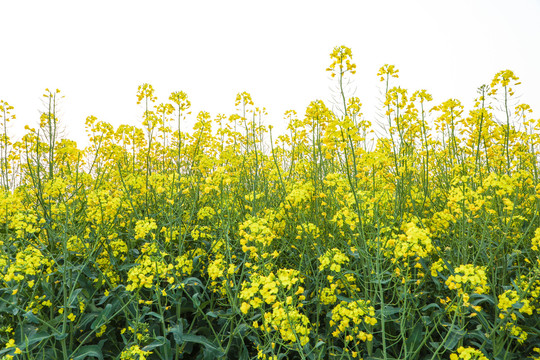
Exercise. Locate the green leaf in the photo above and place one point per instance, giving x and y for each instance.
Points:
(155, 314)
(88, 351)
(477, 299)
(73, 297)
(102, 315)
(210, 349)
(178, 332)
(31, 317)
(37, 337)
(6, 350)
(432, 305)
(391, 310)
(454, 336)
(196, 300)
(61, 336)
(159, 341)
(415, 337)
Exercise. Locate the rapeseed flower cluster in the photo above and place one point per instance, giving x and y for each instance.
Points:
(414, 244)
(151, 266)
(341, 57)
(134, 353)
(468, 278)
(468, 353)
(292, 326)
(352, 322)
(536, 240)
(508, 303)
(256, 236)
(262, 289)
(29, 264)
(333, 260)
(343, 284)
(144, 227)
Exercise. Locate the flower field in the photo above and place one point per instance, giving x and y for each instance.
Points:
(229, 241)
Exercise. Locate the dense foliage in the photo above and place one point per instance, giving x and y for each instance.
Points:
(227, 243)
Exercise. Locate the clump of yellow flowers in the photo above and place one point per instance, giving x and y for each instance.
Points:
(347, 318)
(468, 278)
(271, 288)
(508, 302)
(414, 244)
(468, 353)
(293, 326)
(333, 260)
(144, 227)
(134, 352)
(342, 61)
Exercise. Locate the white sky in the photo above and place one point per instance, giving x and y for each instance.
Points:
(98, 52)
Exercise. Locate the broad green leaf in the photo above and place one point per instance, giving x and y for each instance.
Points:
(88, 351)
(102, 317)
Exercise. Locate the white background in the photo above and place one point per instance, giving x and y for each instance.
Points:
(98, 52)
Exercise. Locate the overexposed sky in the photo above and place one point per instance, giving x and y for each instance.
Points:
(98, 52)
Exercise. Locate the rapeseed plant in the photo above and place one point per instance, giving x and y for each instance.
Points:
(228, 241)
